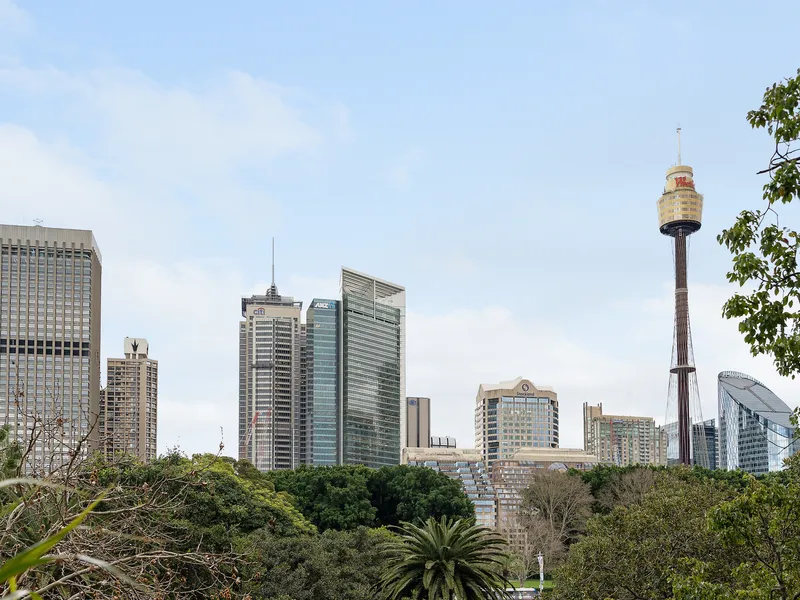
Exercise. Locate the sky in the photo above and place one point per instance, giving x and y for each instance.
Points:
(501, 162)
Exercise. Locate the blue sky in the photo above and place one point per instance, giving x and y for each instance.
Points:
(502, 163)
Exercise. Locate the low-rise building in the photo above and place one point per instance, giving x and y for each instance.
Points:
(465, 466)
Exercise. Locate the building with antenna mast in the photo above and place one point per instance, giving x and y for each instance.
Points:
(270, 378)
(680, 212)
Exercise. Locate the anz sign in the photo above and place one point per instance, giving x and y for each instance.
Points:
(330, 304)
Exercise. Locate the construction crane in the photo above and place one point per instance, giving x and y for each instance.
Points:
(250, 429)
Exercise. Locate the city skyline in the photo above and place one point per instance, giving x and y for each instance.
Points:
(179, 156)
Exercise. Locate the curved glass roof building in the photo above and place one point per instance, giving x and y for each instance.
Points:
(755, 431)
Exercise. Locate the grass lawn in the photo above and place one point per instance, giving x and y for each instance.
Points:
(534, 583)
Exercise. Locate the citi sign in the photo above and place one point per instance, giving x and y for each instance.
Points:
(330, 304)
(259, 312)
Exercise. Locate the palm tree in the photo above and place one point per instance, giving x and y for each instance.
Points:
(445, 560)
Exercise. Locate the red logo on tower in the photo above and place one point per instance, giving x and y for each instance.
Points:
(684, 182)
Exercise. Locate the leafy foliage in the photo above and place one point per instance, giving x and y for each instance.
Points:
(348, 497)
(335, 564)
(445, 559)
(761, 526)
(633, 551)
(414, 494)
(764, 252)
(330, 497)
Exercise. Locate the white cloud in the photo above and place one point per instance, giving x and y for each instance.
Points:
(12, 18)
(450, 354)
(178, 134)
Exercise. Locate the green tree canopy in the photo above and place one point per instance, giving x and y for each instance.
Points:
(765, 250)
(632, 552)
(761, 526)
(414, 494)
(348, 497)
(340, 565)
(330, 497)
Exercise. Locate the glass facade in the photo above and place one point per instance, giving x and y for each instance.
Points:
(372, 367)
(49, 339)
(514, 422)
(322, 376)
(755, 431)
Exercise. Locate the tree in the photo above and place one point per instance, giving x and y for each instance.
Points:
(330, 497)
(349, 496)
(631, 553)
(445, 560)
(627, 487)
(413, 494)
(765, 252)
(553, 512)
(341, 565)
(762, 527)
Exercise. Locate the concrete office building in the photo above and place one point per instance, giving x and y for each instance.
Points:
(50, 283)
(755, 429)
(129, 403)
(621, 439)
(514, 414)
(322, 382)
(443, 442)
(418, 422)
(465, 466)
(270, 380)
(373, 349)
(510, 477)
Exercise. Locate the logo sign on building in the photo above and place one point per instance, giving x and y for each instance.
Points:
(525, 387)
(259, 312)
(330, 304)
(684, 182)
(412, 402)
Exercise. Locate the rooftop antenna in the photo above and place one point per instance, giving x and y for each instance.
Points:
(679, 144)
(273, 262)
(38, 222)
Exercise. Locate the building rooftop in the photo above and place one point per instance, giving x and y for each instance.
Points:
(510, 385)
(421, 454)
(554, 454)
(51, 235)
(757, 397)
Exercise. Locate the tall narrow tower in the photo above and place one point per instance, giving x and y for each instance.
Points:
(680, 211)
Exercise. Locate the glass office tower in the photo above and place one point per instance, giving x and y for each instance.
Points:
(322, 376)
(373, 370)
(755, 429)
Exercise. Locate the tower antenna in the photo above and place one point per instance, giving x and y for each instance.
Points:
(679, 144)
(273, 262)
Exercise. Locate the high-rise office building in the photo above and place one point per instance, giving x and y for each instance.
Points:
(322, 382)
(418, 422)
(756, 433)
(302, 429)
(514, 414)
(50, 340)
(621, 439)
(269, 380)
(465, 466)
(129, 403)
(372, 343)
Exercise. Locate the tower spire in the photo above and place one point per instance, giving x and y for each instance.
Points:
(273, 252)
(679, 144)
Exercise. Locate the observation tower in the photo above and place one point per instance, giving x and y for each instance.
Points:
(680, 212)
